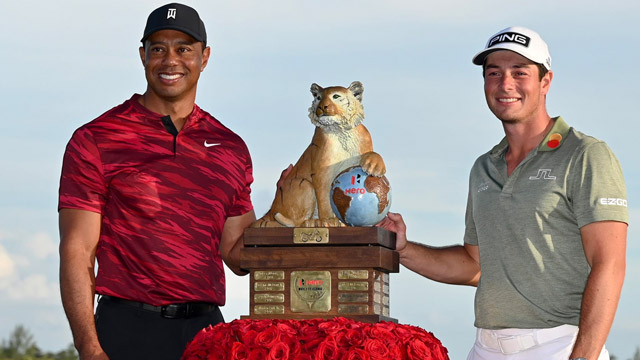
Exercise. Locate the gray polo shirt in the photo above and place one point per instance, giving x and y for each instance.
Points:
(527, 227)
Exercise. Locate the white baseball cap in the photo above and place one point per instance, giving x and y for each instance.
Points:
(523, 41)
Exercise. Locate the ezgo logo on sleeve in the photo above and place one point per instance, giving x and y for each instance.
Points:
(613, 201)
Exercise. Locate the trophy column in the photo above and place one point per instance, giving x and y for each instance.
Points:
(305, 273)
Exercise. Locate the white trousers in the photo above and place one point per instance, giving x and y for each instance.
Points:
(526, 344)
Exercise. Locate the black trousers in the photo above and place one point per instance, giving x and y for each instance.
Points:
(127, 332)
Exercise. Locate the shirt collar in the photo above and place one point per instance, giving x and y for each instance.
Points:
(194, 117)
(554, 139)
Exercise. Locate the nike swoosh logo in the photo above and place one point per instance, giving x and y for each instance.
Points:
(206, 144)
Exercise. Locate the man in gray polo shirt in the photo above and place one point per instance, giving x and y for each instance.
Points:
(546, 221)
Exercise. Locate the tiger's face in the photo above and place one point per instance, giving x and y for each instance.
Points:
(336, 108)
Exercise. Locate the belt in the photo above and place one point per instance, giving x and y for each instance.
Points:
(170, 311)
(512, 341)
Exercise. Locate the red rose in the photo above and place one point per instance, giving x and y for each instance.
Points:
(330, 327)
(417, 350)
(396, 352)
(268, 337)
(379, 332)
(354, 337)
(239, 351)
(248, 337)
(376, 349)
(327, 350)
(258, 354)
(303, 357)
(279, 351)
(356, 354)
(438, 351)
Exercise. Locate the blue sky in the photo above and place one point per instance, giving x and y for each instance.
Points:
(67, 62)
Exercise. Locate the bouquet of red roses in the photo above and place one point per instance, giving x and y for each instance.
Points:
(316, 339)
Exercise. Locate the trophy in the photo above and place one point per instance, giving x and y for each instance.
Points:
(315, 253)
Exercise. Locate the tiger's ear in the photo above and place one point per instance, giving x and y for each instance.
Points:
(357, 89)
(315, 90)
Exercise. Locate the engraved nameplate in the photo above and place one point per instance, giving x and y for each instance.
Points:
(268, 309)
(268, 298)
(353, 286)
(310, 291)
(268, 275)
(311, 235)
(268, 286)
(353, 309)
(353, 274)
(353, 297)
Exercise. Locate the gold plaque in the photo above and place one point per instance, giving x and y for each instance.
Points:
(377, 309)
(268, 275)
(353, 286)
(353, 309)
(311, 235)
(268, 286)
(269, 309)
(268, 298)
(310, 291)
(353, 274)
(353, 297)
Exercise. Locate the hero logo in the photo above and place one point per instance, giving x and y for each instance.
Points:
(355, 191)
(303, 282)
(613, 201)
(511, 37)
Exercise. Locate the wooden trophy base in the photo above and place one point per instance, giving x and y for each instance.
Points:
(307, 273)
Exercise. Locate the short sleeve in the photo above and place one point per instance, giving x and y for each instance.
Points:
(598, 191)
(82, 182)
(242, 202)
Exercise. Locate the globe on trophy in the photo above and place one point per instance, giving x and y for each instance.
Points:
(360, 199)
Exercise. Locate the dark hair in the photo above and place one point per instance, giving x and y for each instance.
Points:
(542, 70)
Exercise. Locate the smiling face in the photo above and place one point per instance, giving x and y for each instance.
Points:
(513, 89)
(173, 62)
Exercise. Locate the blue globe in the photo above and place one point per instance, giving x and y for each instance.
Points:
(360, 199)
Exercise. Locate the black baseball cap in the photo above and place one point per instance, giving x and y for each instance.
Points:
(176, 16)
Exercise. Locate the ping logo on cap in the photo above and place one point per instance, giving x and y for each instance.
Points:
(171, 13)
(510, 37)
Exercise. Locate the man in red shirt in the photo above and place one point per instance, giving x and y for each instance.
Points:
(158, 192)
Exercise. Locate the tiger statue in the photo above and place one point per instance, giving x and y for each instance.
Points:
(340, 140)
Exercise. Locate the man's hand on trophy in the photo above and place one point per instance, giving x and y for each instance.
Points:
(373, 164)
(394, 222)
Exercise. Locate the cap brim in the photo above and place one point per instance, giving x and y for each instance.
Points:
(482, 55)
(172, 27)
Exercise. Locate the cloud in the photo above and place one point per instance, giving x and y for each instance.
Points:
(41, 245)
(34, 287)
(18, 287)
(7, 266)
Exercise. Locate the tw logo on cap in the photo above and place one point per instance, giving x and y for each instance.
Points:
(510, 37)
(171, 13)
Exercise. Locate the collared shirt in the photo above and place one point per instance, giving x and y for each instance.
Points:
(527, 227)
(164, 197)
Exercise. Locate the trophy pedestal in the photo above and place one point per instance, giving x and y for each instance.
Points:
(306, 273)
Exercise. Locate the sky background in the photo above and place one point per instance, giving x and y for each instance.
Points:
(67, 62)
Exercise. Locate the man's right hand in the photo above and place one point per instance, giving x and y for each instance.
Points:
(394, 222)
(96, 355)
